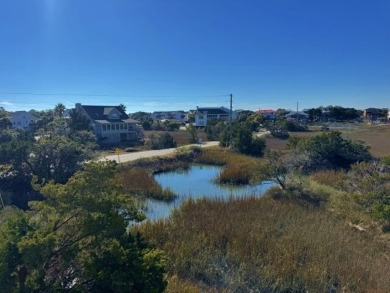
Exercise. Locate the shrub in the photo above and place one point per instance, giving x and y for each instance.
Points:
(163, 141)
(328, 151)
(369, 183)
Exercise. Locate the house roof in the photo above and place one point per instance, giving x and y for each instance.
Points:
(22, 113)
(293, 114)
(99, 113)
(268, 111)
(211, 111)
(174, 111)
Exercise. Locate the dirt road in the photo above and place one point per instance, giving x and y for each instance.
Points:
(121, 158)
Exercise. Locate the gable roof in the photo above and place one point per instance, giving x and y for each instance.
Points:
(102, 112)
(16, 114)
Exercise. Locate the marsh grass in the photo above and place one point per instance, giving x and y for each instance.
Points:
(376, 137)
(268, 245)
(238, 168)
(329, 177)
(140, 182)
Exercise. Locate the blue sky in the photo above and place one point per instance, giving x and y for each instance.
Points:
(178, 54)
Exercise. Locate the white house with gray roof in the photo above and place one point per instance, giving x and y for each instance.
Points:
(204, 115)
(179, 115)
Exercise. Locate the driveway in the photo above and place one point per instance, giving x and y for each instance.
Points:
(126, 157)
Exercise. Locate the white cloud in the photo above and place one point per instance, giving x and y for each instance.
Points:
(7, 104)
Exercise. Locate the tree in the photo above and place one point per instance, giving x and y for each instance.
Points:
(57, 158)
(163, 141)
(328, 150)
(77, 240)
(59, 110)
(242, 139)
(43, 118)
(144, 118)
(78, 121)
(192, 133)
(5, 123)
(214, 128)
(15, 151)
(123, 107)
(274, 168)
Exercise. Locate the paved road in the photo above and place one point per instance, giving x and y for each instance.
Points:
(126, 157)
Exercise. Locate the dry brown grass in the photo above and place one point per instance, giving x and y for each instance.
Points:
(267, 245)
(238, 168)
(329, 177)
(140, 182)
(377, 137)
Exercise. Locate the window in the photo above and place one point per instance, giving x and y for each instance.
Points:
(104, 127)
(200, 116)
(117, 126)
(108, 127)
(121, 126)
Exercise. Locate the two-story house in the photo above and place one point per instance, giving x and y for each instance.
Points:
(179, 115)
(22, 119)
(204, 115)
(111, 124)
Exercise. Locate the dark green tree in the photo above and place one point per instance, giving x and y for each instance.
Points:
(78, 121)
(78, 240)
(57, 157)
(163, 141)
(192, 133)
(328, 150)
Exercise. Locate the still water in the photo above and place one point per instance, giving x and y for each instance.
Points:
(198, 182)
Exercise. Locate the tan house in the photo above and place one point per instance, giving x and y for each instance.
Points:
(111, 124)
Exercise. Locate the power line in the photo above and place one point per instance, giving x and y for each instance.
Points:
(111, 95)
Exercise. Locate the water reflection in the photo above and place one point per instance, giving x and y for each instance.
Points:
(198, 182)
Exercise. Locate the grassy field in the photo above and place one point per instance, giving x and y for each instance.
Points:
(309, 238)
(267, 245)
(377, 137)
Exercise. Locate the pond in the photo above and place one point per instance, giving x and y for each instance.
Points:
(198, 182)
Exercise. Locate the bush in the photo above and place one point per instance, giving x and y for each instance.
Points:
(327, 151)
(164, 141)
(369, 183)
(242, 139)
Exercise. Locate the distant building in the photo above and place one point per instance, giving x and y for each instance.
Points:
(179, 115)
(22, 119)
(297, 116)
(267, 114)
(373, 114)
(204, 115)
(111, 124)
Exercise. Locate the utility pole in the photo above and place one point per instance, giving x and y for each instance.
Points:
(231, 120)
